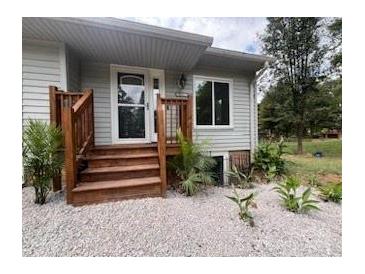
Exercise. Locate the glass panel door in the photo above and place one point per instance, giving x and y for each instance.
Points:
(131, 106)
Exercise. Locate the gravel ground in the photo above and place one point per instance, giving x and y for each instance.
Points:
(204, 225)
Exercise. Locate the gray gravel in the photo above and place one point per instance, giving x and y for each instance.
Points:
(205, 225)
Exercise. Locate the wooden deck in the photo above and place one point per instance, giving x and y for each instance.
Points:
(113, 172)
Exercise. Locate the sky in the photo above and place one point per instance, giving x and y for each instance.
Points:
(233, 33)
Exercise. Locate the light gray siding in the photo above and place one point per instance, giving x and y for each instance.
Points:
(73, 70)
(97, 77)
(42, 66)
(221, 140)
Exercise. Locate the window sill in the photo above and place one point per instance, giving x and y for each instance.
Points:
(213, 127)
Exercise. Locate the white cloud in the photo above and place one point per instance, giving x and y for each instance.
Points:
(234, 33)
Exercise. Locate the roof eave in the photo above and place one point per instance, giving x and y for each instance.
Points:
(239, 55)
(139, 28)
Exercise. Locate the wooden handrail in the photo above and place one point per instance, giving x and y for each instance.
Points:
(82, 102)
(74, 111)
(172, 114)
(178, 114)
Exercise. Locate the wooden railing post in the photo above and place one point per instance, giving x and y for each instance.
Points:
(57, 180)
(70, 150)
(161, 144)
(189, 119)
(91, 118)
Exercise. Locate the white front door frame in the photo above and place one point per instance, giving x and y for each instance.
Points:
(149, 75)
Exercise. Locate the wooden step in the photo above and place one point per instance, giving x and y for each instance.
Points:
(95, 192)
(119, 172)
(124, 149)
(95, 161)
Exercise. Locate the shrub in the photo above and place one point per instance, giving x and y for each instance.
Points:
(192, 166)
(331, 192)
(243, 180)
(268, 159)
(293, 202)
(313, 181)
(41, 158)
(244, 205)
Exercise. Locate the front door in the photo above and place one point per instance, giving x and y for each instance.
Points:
(132, 108)
(133, 96)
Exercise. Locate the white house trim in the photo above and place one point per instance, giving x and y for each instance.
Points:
(225, 155)
(231, 107)
(149, 74)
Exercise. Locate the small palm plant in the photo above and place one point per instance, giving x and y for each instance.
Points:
(331, 192)
(41, 158)
(244, 205)
(293, 202)
(240, 178)
(192, 165)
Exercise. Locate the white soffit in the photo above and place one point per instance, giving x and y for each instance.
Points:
(116, 41)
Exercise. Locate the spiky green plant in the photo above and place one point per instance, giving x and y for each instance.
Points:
(192, 165)
(41, 158)
(313, 181)
(243, 180)
(244, 205)
(295, 203)
(331, 192)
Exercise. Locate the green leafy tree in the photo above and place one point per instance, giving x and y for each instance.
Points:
(294, 42)
(276, 117)
(335, 29)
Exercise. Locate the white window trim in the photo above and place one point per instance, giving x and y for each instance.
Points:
(230, 91)
(225, 155)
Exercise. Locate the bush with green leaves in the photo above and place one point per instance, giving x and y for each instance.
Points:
(41, 157)
(192, 165)
(240, 178)
(288, 189)
(268, 158)
(331, 192)
(244, 205)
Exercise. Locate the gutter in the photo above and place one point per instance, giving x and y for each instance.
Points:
(253, 111)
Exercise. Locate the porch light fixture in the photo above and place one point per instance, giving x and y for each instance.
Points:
(181, 82)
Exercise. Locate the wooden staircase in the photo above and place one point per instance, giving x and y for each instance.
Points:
(96, 174)
(118, 172)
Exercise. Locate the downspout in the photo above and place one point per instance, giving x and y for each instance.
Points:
(253, 111)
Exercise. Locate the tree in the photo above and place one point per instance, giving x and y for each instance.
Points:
(335, 30)
(275, 112)
(294, 42)
(322, 110)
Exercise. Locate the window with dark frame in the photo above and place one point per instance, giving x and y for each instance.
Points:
(212, 103)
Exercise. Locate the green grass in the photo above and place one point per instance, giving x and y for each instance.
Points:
(329, 148)
(327, 168)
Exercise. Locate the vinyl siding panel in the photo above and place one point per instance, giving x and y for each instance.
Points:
(41, 67)
(73, 70)
(97, 77)
(221, 140)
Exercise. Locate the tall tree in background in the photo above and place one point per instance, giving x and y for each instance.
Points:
(294, 42)
(335, 30)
